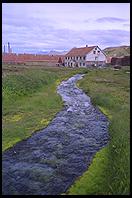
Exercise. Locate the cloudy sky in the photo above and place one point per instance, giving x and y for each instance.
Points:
(34, 27)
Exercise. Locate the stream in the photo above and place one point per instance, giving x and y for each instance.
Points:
(49, 162)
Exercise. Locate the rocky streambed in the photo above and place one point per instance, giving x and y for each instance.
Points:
(51, 160)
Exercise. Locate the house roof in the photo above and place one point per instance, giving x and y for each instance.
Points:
(80, 51)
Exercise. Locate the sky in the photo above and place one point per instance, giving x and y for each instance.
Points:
(37, 27)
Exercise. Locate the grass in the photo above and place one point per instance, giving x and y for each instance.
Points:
(30, 100)
(109, 173)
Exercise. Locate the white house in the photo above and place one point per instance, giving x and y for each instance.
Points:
(85, 57)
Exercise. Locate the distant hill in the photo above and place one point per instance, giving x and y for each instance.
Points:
(117, 51)
(57, 52)
(52, 52)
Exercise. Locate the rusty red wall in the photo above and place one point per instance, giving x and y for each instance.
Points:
(22, 58)
(122, 61)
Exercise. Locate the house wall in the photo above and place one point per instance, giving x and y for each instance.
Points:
(74, 62)
(108, 59)
(92, 57)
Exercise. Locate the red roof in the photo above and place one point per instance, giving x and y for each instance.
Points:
(80, 51)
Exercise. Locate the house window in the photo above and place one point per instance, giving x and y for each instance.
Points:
(94, 52)
(83, 64)
(98, 51)
(77, 57)
(84, 58)
(95, 48)
(96, 58)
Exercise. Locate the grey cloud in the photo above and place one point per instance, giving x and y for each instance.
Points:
(110, 19)
(111, 37)
(126, 25)
(30, 28)
(27, 22)
(101, 37)
(46, 37)
(87, 20)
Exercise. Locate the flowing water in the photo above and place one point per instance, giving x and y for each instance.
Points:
(51, 160)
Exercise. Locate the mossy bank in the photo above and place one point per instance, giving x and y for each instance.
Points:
(109, 173)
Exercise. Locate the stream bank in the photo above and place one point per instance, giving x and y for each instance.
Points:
(51, 160)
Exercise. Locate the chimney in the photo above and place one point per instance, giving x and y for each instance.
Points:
(4, 49)
(10, 50)
(86, 45)
(8, 47)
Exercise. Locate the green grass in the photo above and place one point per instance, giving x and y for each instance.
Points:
(109, 173)
(29, 100)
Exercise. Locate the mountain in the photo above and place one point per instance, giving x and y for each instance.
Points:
(57, 52)
(52, 52)
(117, 51)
